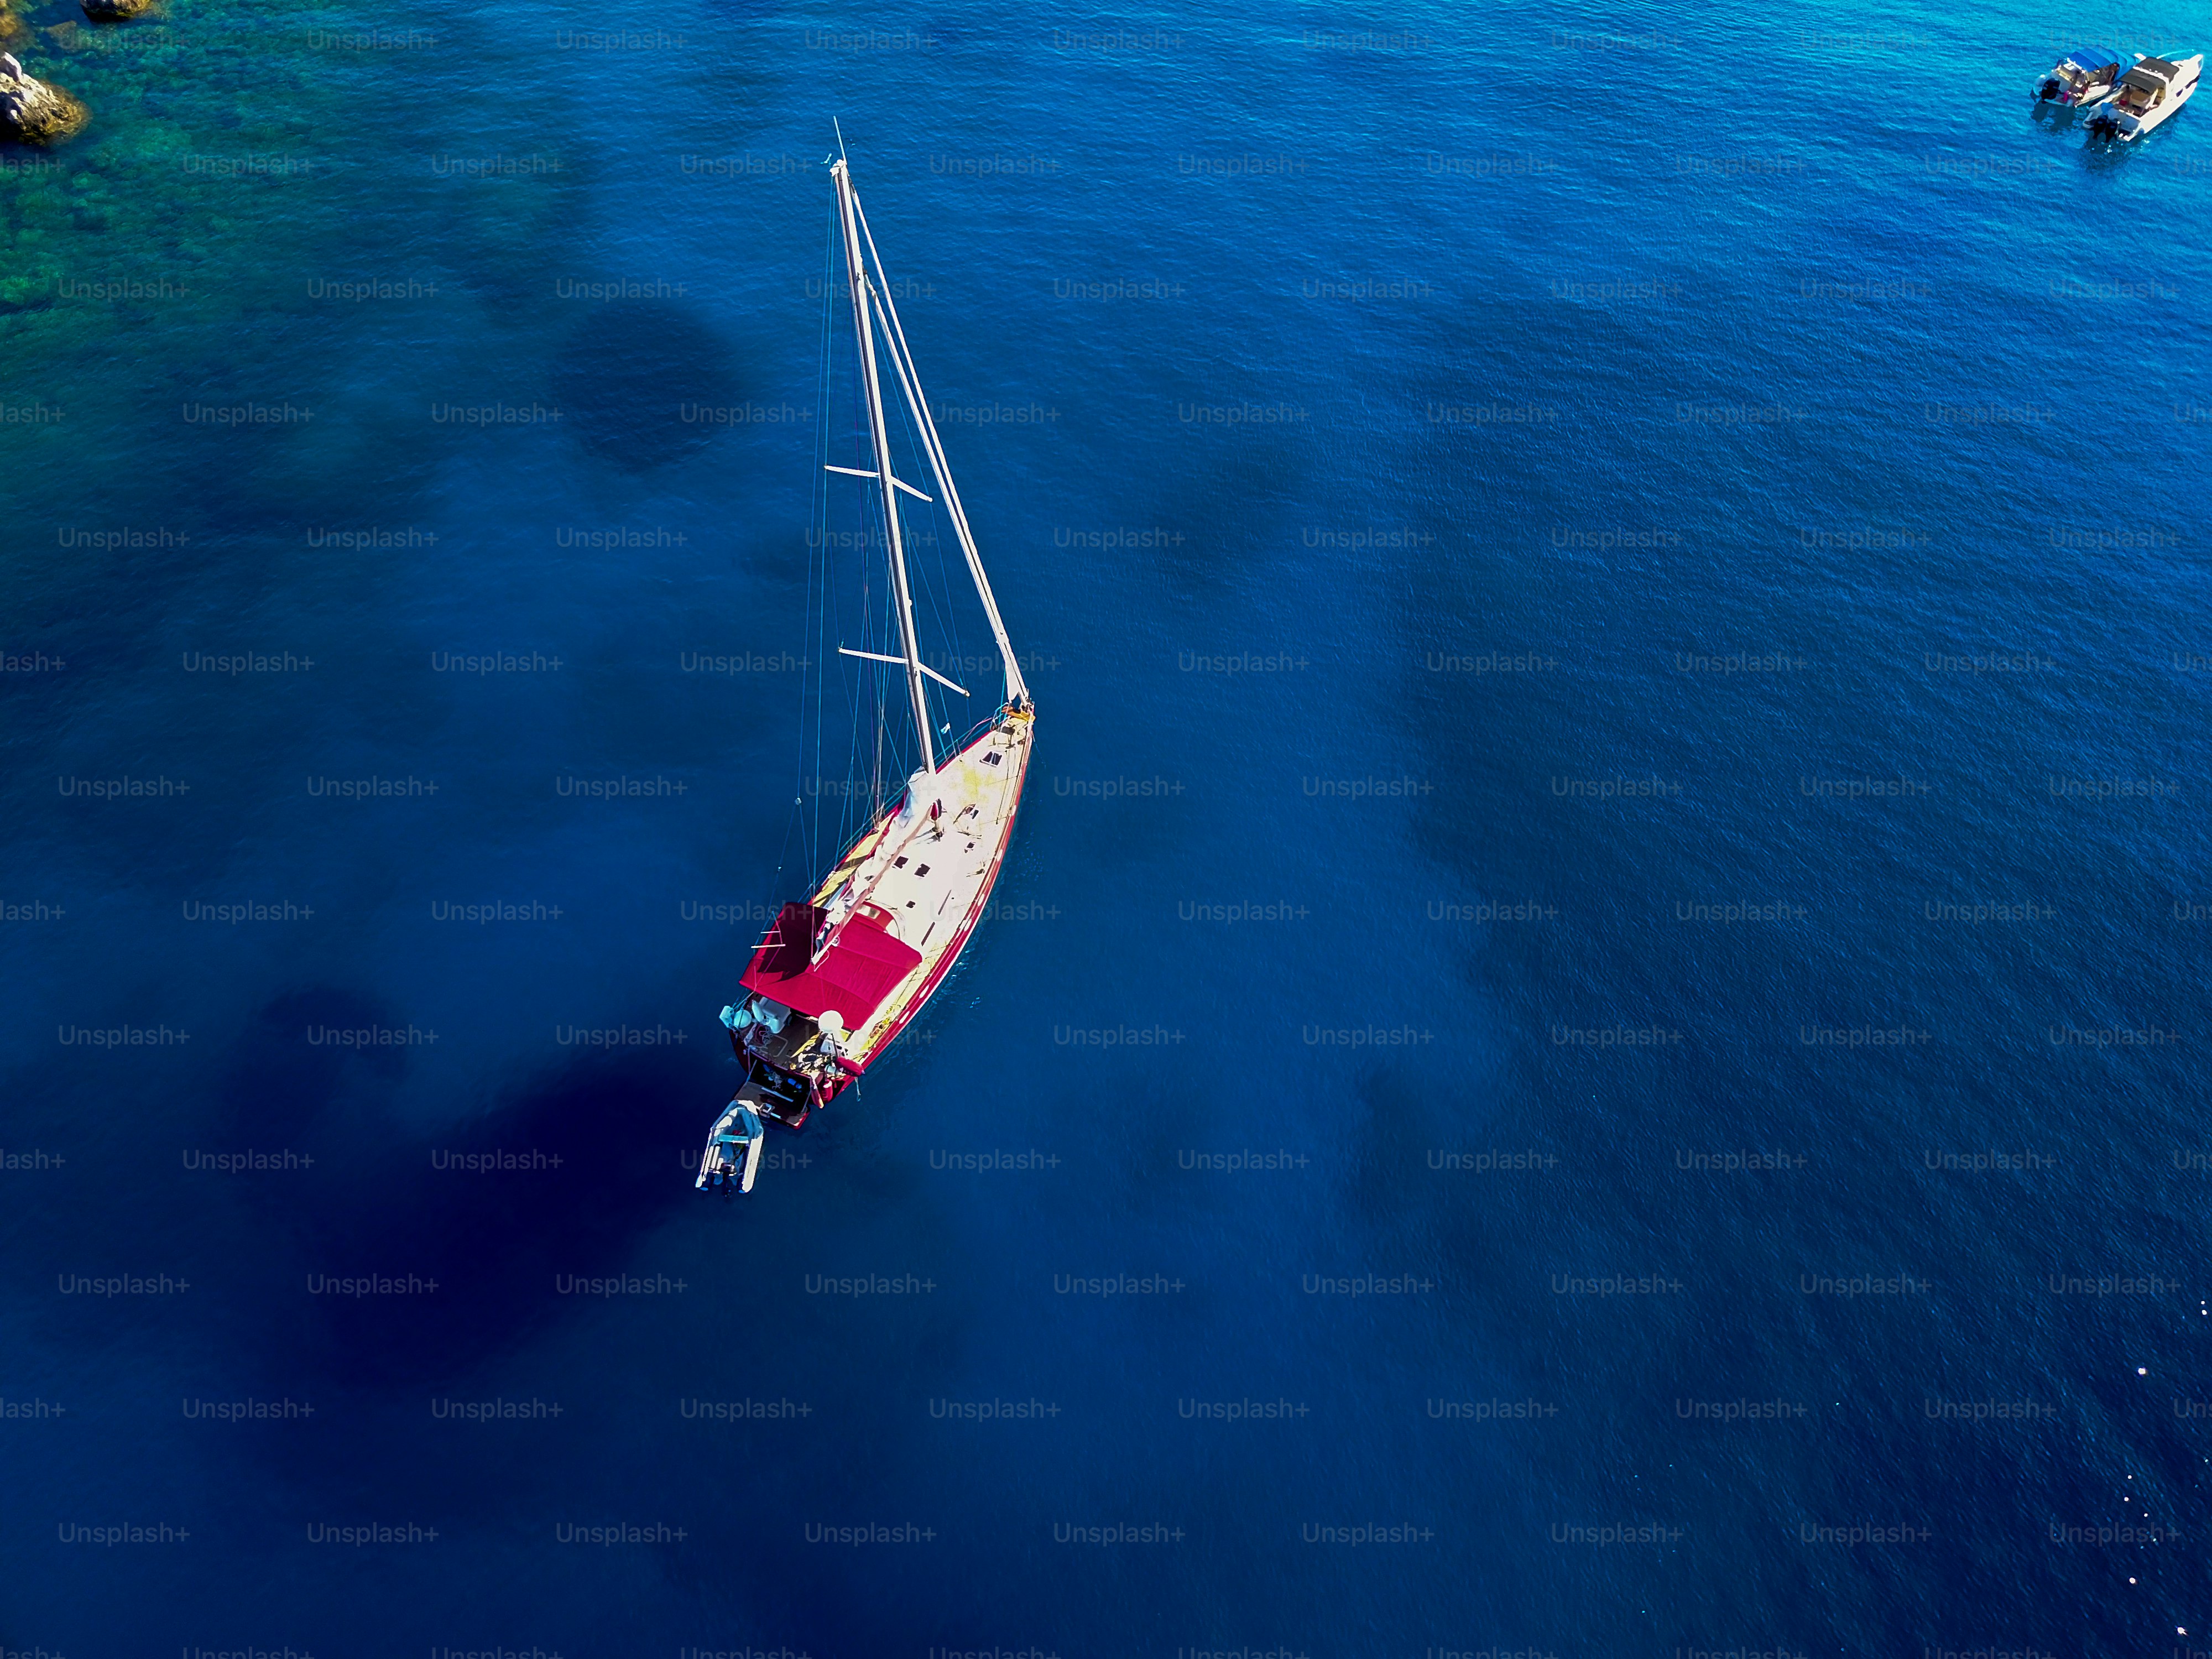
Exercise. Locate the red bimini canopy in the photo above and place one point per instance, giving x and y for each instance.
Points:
(853, 977)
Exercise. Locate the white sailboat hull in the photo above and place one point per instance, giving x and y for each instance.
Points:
(842, 973)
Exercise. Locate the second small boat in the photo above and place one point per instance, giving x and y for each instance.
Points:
(2083, 79)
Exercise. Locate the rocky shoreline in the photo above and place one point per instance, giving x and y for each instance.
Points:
(32, 111)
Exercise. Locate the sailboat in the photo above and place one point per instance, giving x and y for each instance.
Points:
(840, 974)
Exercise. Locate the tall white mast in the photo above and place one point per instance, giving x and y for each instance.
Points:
(910, 384)
(879, 441)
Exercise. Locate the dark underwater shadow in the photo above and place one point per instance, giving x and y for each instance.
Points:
(639, 380)
(588, 1175)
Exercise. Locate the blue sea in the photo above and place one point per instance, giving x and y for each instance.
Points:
(1595, 1036)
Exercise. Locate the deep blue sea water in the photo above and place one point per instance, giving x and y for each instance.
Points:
(1693, 901)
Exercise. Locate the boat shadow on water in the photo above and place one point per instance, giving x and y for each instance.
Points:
(559, 1181)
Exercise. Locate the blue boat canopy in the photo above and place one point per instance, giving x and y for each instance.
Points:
(2089, 58)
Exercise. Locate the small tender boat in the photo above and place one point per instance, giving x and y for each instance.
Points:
(842, 972)
(733, 1151)
(2147, 94)
(2083, 79)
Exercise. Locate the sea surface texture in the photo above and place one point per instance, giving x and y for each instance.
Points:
(1594, 1040)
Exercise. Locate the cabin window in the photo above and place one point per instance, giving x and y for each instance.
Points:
(920, 870)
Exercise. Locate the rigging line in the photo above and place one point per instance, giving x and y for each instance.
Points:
(892, 763)
(833, 613)
(867, 713)
(928, 572)
(936, 584)
(940, 605)
(883, 723)
(901, 767)
(879, 443)
(868, 702)
(1017, 690)
(817, 509)
(860, 693)
(869, 508)
(938, 598)
(873, 615)
(806, 825)
(822, 601)
(807, 625)
(943, 603)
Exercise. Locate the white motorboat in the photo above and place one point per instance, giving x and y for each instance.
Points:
(2083, 79)
(2149, 94)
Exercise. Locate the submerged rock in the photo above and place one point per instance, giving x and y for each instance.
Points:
(32, 111)
(115, 11)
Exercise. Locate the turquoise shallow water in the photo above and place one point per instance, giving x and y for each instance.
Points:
(1706, 511)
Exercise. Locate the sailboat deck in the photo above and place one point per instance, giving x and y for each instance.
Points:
(927, 878)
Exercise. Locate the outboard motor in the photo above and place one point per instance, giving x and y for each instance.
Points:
(2050, 88)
